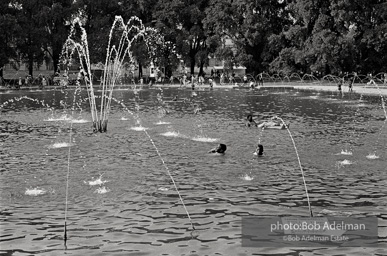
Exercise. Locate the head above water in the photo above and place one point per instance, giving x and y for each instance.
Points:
(249, 118)
(221, 148)
(260, 149)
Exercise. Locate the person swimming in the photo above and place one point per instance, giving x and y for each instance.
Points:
(259, 150)
(197, 109)
(220, 149)
(275, 121)
(250, 121)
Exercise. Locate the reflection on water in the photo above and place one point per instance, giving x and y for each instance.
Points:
(134, 209)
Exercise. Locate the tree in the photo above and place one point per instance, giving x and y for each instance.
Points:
(55, 17)
(332, 37)
(142, 9)
(366, 20)
(181, 22)
(8, 32)
(98, 17)
(248, 23)
(31, 35)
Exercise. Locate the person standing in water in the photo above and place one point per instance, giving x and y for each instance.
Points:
(339, 86)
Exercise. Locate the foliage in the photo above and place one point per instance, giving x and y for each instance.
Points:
(181, 22)
(280, 36)
(332, 37)
(55, 17)
(249, 24)
(8, 32)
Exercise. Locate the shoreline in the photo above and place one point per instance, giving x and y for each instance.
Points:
(372, 90)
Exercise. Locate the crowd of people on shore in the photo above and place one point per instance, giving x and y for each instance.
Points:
(28, 81)
(183, 79)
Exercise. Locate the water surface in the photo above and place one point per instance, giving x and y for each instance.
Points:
(121, 200)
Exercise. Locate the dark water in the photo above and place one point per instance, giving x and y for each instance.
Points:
(121, 200)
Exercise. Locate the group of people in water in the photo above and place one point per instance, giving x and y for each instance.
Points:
(221, 149)
(274, 121)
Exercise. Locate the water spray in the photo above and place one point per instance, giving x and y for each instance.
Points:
(162, 160)
(68, 167)
(299, 163)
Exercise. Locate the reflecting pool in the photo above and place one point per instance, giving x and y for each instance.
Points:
(121, 200)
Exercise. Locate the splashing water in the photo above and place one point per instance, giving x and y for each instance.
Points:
(138, 122)
(344, 162)
(204, 139)
(122, 37)
(35, 191)
(260, 134)
(247, 177)
(97, 181)
(124, 119)
(346, 152)
(61, 118)
(79, 121)
(102, 190)
(372, 156)
(61, 145)
(37, 101)
(334, 213)
(299, 163)
(171, 134)
(139, 128)
(162, 123)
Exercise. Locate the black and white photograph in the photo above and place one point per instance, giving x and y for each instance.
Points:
(193, 127)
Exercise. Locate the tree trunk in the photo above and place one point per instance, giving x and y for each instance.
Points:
(30, 57)
(30, 64)
(192, 65)
(139, 71)
(201, 68)
(55, 60)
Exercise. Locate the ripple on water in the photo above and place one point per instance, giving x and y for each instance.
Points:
(138, 128)
(334, 213)
(61, 145)
(57, 119)
(80, 121)
(204, 139)
(171, 134)
(162, 123)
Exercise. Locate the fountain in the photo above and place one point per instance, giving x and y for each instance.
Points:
(374, 155)
(118, 53)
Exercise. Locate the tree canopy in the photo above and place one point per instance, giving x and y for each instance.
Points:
(278, 36)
